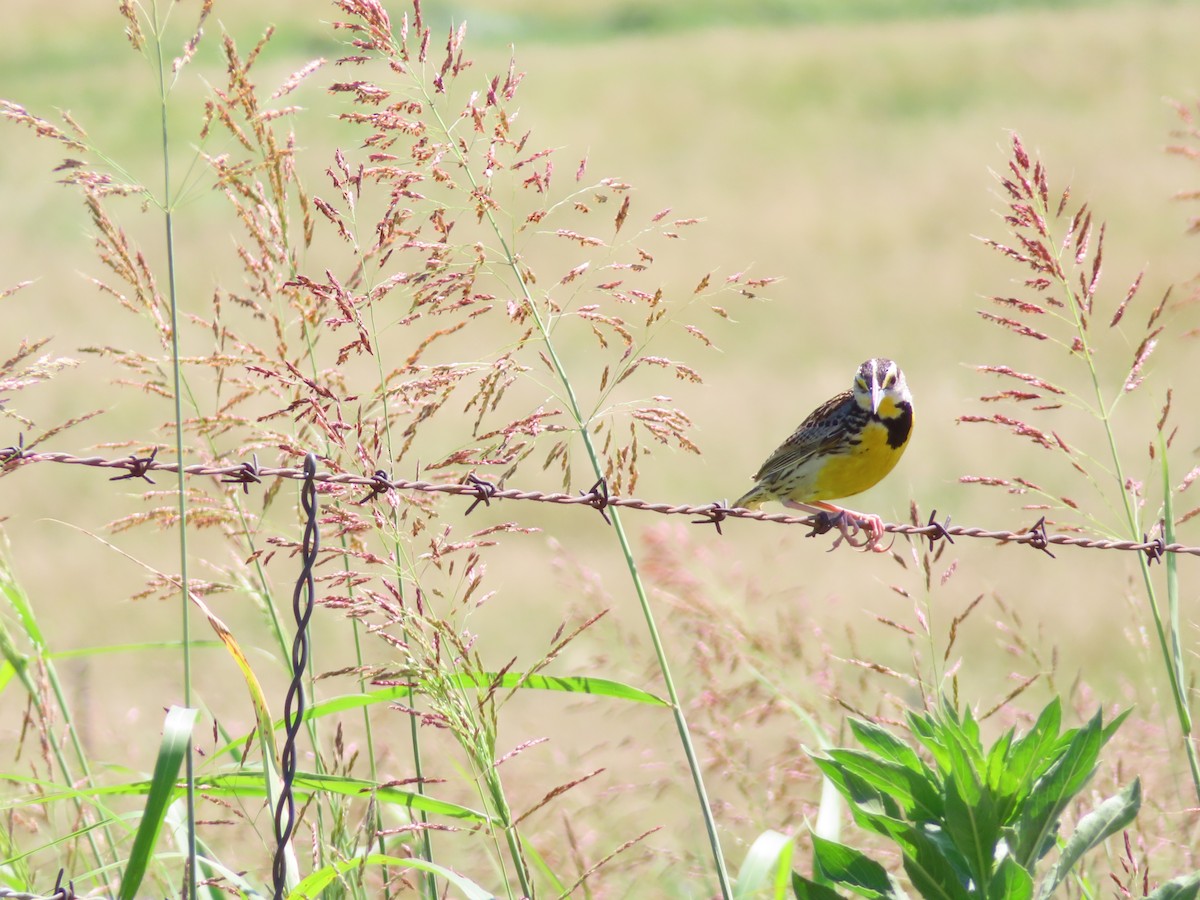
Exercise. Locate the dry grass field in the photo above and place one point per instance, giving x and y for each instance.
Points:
(851, 157)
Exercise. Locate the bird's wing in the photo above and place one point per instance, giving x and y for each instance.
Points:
(821, 432)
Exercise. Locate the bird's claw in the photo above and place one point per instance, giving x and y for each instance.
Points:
(861, 531)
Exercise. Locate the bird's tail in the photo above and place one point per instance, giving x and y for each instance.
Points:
(752, 499)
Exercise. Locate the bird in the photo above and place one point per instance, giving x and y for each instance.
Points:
(846, 445)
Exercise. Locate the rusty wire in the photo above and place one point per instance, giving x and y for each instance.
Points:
(596, 497)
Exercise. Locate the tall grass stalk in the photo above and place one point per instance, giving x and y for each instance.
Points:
(185, 606)
(583, 424)
(1067, 264)
(1165, 631)
(639, 587)
(374, 32)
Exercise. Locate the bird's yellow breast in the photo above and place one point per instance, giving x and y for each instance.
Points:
(856, 467)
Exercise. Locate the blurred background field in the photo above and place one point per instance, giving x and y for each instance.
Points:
(847, 148)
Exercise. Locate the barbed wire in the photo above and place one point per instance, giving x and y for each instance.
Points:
(597, 497)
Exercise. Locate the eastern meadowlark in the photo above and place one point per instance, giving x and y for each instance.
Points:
(845, 446)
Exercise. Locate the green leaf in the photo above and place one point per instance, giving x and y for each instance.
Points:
(807, 889)
(965, 766)
(972, 826)
(1033, 753)
(852, 869)
(1110, 729)
(925, 729)
(970, 727)
(1106, 819)
(916, 793)
(1185, 887)
(766, 871)
(883, 743)
(1050, 794)
(866, 802)
(961, 740)
(995, 767)
(1011, 882)
(929, 864)
(177, 734)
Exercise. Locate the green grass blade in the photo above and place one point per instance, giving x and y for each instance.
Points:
(177, 733)
(1176, 660)
(1183, 711)
(312, 886)
(767, 869)
(540, 863)
(249, 783)
(574, 684)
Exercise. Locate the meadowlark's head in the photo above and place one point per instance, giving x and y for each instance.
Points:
(880, 388)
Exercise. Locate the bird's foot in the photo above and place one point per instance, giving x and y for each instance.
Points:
(863, 531)
(872, 525)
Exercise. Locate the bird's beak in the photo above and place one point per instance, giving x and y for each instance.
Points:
(876, 397)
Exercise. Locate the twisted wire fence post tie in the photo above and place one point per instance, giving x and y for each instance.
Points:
(303, 599)
(597, 497)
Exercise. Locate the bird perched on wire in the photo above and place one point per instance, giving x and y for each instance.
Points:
(846, 445)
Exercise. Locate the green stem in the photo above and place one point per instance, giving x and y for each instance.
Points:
(1175, 674)
(618, 527)
(180, 480)
(429, 886)
(1175, 662)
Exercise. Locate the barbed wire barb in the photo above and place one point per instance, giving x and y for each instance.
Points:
(939, 529)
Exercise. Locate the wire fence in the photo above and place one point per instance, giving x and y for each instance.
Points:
(596, 497)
